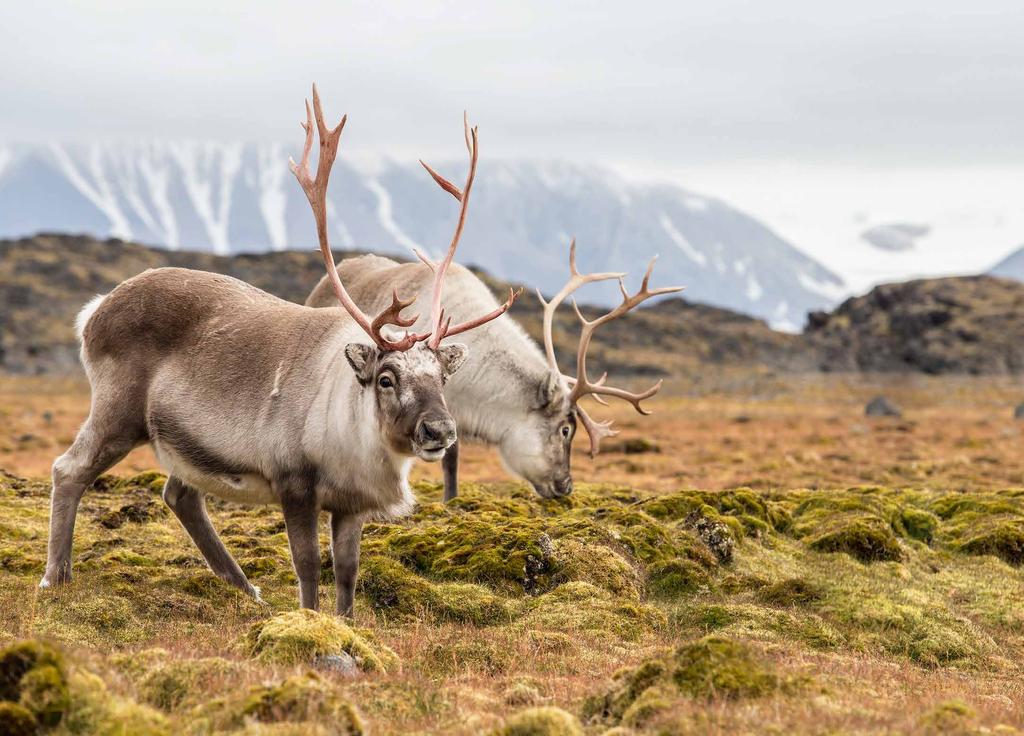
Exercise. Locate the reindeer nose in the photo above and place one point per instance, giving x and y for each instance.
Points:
(436, 432)
(563, 487)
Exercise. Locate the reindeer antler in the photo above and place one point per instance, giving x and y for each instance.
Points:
(581, 384)
(316, 192)
(440, 327)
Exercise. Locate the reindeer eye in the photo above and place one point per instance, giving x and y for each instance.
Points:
(566, 430)
(385, 382)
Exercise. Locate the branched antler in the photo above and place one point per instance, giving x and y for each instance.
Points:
(316, 192)
(440, 327)
(580, 383)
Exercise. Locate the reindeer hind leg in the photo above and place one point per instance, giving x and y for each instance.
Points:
(188, 505)
(98, 446)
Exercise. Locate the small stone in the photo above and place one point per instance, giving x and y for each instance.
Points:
(881, 407)
(715, 535)
(1018, 413)
(339, 664)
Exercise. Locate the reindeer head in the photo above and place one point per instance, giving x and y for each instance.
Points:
(406, 372)
(559, 410)
(538, 446)
(407, 388)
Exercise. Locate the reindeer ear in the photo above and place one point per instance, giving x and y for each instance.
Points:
(452, 357)
(360, 357)
(550, 390)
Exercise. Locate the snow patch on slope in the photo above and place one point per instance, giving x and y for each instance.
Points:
(209, 171)
(680, 241)
(273, 170)
(101, 194)
(5, 159)
(385, 216)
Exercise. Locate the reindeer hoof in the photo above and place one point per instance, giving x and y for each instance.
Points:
(55, 579)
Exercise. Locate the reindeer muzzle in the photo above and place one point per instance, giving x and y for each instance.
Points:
(434, 435)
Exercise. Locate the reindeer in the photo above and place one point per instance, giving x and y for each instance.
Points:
(258, 400)
(509, 393)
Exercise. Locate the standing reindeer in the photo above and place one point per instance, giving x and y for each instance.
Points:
(508, 393)
(255, 399)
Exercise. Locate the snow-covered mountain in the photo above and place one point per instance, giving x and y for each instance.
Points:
(229, 198)
(1011, 267)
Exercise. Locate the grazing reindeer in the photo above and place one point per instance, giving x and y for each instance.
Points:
(255, 399)
(507, 394)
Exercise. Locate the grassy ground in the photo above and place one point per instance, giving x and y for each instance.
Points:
(781, 564)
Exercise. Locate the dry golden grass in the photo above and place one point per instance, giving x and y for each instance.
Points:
(737, 429)
(926, 639)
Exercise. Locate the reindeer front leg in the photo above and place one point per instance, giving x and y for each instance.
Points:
(346, 531)
(301, 510)
(450, 466)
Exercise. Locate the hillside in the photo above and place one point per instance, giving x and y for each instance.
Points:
(971, 324)
(236, 198)
(44, 280)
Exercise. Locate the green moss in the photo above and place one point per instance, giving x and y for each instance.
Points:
(299, 699)
(467, 603)
(1003, 538)
(16, 720)
(150, 481)
(491, 551)
(543, 721)
(651, 702)
(919, 524)
(596, 564)
(582, 608)
(950, 717)
(717, 667)
(296, 637)
(172, 683)
(521, 693)
(712, 667)
(861, 537)
(390, 586)
(95, 710)
(791, 592)
(20, 658)
(44, 692)
(457, 655)
(628, 685)
(675, 578)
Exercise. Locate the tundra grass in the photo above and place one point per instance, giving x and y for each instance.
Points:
(615, 610)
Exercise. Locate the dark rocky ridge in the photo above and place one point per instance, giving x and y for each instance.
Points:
(968, 324)
(45, 280)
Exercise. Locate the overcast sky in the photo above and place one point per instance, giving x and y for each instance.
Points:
(710, 94)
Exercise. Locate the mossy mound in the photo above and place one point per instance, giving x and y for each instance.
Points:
(298, 699)
(393, 588)
(33, 675)
(791, 592)
(176, 682)
(984, 524)
(581, 608)
(951, 717)
(717, 667)
(708, 668)
(297, 637)
(543, 721)
(41, 691)
(17, 720)
(853, 522)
